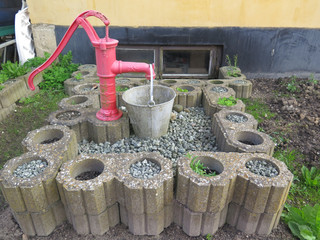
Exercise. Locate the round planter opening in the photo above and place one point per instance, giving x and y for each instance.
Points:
(122, 81)
(88, 87)
(262, 167)
(193, 82)
(170, 81)
(219, 89)
(239, 82)
(122, 88)
(48, 136)
(249, 138)
(189, 88)
(216, 82)
(87, 169)
(68, 115)
(31, 168)
(236, 118)
(77, 100)
(145, 168)
(210, 165)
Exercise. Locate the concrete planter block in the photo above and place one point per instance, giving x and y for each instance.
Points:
(37, 79)
(80, 102)
(85, 73)
(112, 131)
(70, 83)
(146, 223)
(242, 87)
(217, 83)
(223, 73)
(171, 82)
(119, 94)
(88, 67)
(14, 90)
(225, 120)
(194, 82)
(86, 89)
(192, 98)
(135, 82)
(146, 195)
(4, 112)
(206, 194)
(262, 194)
(33, 194)
(247, 140)
(75, 119)
(53, 140)
(196, 223)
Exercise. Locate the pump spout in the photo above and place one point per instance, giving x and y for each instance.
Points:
(119, 67)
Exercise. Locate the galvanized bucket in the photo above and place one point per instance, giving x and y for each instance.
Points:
(148, 120)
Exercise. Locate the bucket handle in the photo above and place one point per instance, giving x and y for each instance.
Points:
(151, 102)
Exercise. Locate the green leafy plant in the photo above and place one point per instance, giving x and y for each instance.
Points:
(182, 90)
(36, 61)
(230, 101)
(12, 70)
(78, 76)
(121, 89)
(311, 177)
(58, 73)
(304, 223)
(233, 70)
(199, 168)
(209, 236)
(292, 85)
(311, 79)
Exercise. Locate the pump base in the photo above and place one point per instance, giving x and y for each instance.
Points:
(108, 115)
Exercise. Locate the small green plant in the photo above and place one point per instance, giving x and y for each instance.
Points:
(292, 85)
(199, 168)
(311, 79)
(311, 177)
(182, 90)
(78, 76)
(304, 223)
(230, 101)
(233, 70)
(209, 236)
(12, 70)
(36, 61)
(121, 89)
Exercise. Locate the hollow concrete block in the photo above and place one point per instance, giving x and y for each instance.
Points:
(70, 83)
(256, 197)
(170, 82)
(4, 112)
(192, 222)
(78, 124)
(25, 223)
(266, 223)
(242, 87)
(81, 224)
(80, 102)
(233, 214)
(192, 98)
(223, 73)
(99, 224)
(248, 221)
(195, 82)
(112, 131)
(217, 82)
(35, 197)
(54, 140)
(14, 90)
(202, 193)
(44, 222)
(88, 67)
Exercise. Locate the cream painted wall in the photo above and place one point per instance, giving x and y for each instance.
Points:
(183, 13)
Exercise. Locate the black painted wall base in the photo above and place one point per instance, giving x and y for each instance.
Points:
(261, 51)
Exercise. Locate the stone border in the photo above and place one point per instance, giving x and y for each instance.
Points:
(35, 201)
(243, 90)
(65, 147)
(14, 90)
(70, 83)
(90, 203)
(80, 101)
(223, 73)
(192, 98)
(170, 82)
(218, 82)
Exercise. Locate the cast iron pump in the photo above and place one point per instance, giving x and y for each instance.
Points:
(107, 65)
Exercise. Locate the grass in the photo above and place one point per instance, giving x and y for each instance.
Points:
(259, 110)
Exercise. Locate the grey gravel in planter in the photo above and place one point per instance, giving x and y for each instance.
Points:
(192, 98)
(145, 198)
(90, 199)
(225, 120)
(75, 119)
(34, 200)
(52, 139)
(80, 101)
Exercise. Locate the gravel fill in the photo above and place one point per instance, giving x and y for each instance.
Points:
(30, 169)
(236, 118)
(68, 115)
(239, 82)
(191, 131)
(144, 169)
(262, 168)
(219, 89)
(193, 82)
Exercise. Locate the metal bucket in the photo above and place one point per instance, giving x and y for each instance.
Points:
(149, 120)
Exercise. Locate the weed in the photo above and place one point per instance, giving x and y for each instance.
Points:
(304, 223)
(259, 110)
(230, 101)
(121, 89)
(233, 70)
(78, 76)
(209, 236)
(311, 177)
(36, 61)
(289, 157)
(12, 70)
(182, 90)
(199, 168)
(293, 86)
(311, 79)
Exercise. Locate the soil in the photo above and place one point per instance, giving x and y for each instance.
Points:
(87, 175)
(297, 120)
(49, 141)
